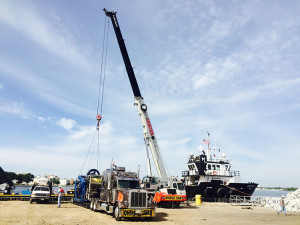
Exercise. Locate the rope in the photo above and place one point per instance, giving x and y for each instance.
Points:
(104, 70)
(100, 93)
(232, 188)
(103, 65)
(88, 152)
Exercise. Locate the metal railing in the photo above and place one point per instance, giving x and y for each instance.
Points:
(215, 173)
(252, 200)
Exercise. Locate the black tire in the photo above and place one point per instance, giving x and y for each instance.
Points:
(209, 193)
(230, 192)
(221, 193)
(116, 212)
(31, 201)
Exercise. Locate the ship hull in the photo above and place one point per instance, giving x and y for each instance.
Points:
(211, 190)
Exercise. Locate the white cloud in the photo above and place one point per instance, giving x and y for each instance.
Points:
(34, 26)
(215, 71)
(42, 119)
(67, 124)
(83, 131)
(17, 108)
(51, 93)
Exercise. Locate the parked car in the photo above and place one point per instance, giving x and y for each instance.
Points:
(40, 194)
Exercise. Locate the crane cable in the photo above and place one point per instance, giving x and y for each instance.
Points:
(103, 72)
(100, 93)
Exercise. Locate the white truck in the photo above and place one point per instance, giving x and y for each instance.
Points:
(40, 194)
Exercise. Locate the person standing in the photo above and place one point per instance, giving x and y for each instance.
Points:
(60, 195)
(282, 205)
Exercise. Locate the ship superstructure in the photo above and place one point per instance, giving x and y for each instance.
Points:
(209, 174)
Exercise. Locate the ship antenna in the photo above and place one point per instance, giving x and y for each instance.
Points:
(208, 134)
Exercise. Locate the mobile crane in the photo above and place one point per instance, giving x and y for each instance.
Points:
(171, 192)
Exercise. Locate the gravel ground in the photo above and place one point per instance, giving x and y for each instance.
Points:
(21, 212)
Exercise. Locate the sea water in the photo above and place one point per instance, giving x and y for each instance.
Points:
(270, 193)
(19, 189)
(257, 193)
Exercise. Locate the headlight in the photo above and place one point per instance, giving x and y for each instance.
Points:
(126, 203)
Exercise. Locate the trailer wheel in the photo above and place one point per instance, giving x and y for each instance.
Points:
(95, 206)
(92, 204)
(116, 212)
(31, 201)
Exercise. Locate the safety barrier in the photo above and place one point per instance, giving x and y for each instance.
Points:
(66, 198)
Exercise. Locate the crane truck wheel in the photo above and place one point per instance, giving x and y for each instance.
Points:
(116, 212)
(177, 204)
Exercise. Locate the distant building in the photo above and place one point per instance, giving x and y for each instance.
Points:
(15, 181)
(41, 180)
(71, 181)
(63, 181)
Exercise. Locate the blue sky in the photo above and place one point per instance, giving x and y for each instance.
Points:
(228, 67)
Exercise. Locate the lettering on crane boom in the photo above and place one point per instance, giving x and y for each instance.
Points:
(115, 20)
(150, 127)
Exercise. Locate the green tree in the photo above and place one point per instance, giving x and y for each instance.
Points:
(28, 177)
(53, 181)
(12, 175)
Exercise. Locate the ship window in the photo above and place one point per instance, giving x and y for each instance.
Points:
(209, 166)
(218, 167)
(213, 167)
(174, 185)
(226, 167)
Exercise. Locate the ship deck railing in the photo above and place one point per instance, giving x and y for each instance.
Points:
(235, 173)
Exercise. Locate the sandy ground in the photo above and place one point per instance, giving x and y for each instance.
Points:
(21, 212)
